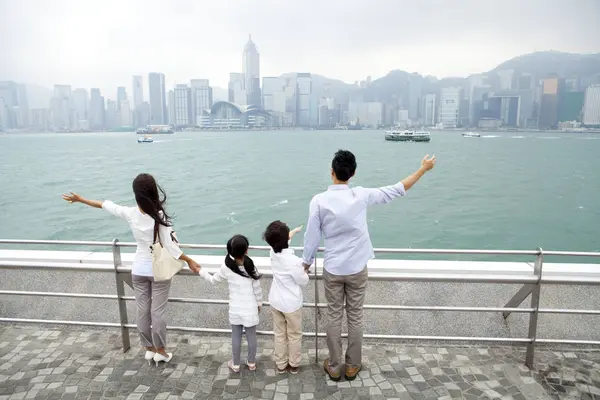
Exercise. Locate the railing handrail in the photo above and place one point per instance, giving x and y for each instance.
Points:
(532, 283)
(380, 250)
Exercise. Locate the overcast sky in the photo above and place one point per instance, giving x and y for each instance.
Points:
(102, 43)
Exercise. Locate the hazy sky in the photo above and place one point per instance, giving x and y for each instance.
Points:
(102, 43)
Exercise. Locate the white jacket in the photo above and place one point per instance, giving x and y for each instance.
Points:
(245, 295)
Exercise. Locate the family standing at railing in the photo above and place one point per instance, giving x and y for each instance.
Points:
(338, 215)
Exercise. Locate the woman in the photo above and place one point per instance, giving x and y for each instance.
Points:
(146, 221)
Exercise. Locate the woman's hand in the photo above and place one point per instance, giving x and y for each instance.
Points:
(72, 197)
(194, 266)
(259, 309)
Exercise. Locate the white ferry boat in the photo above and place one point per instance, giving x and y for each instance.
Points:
(471, 134)
(155, 129)
(395, 135)
(145, 139)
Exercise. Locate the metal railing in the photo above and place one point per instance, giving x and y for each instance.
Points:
(531, 286)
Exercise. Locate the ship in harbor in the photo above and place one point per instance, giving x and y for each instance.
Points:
(155, 130)
(396, 135)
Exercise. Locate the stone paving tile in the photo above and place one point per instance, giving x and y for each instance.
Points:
(38, 363)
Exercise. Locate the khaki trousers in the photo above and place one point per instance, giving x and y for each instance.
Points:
(288, 338)
(352, 289)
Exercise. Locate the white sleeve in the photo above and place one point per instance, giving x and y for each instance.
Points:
(117, 210)
(167, 241)
(213, 279)
(383, 194)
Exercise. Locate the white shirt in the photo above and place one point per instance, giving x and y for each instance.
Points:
(245, 295)
(340, 214)
(142, 227)
(288, 278)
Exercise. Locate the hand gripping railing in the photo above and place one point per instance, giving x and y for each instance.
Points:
(531, 285)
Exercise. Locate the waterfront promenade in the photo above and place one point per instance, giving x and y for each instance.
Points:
(71, 363)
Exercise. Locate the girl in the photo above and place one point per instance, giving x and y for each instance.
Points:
(245, 298)
(148, 222)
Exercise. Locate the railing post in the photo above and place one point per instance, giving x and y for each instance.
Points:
(535, 304)
(120, 294)
(316, 314)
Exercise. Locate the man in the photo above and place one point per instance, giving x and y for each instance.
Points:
(340, 215)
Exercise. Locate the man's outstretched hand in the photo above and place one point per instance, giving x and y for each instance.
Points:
(428, 163)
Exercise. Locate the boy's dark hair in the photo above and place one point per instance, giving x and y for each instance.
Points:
(343, 165)
(277, 236)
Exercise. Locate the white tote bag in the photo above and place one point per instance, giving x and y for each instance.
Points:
(164, 265)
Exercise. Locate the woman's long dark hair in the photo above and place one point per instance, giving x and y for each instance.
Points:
(237, 247)
(151, 198)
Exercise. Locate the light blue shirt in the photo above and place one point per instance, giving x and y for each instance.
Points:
(340, 215)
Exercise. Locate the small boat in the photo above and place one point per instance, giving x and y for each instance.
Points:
(145, 139)
(471, 134)
(407, 136)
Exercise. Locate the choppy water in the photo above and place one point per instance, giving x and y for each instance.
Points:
(503, 190)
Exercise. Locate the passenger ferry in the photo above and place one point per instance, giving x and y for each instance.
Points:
(396, 135)
(471, 134)
(155, 129)
(145, 139)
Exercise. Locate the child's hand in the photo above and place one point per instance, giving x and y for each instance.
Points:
(295, 230)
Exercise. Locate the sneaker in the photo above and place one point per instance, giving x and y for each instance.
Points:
(282, 371)
(293, 370)
(251, 365)
(232, 367)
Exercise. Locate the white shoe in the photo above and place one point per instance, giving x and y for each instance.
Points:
(149, 356)
(159, 357)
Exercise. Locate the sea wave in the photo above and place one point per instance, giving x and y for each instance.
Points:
(279, 203)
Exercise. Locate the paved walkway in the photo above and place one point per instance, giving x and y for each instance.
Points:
(88, 364)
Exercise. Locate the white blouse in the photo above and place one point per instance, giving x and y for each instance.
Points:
(142, 227)
(245, 295)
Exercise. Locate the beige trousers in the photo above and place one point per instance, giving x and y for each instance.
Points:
(288, 338)
(352, 290)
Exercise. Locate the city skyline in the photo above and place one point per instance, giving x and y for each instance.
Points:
(346, 43)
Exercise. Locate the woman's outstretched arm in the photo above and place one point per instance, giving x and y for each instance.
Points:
(75, 198)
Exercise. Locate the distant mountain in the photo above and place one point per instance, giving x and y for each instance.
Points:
(544, 63)
(327, 87)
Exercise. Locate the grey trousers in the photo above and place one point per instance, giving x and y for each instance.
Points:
(236, 343)
(352, 289)
(151, 299)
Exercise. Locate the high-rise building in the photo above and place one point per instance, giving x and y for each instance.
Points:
(505, 78)
(158, 100)
(111, 115)
(121, 94)
(476, 103)
(9, 93)
(367, 113)
(138, 91)
(183, 106)
(428, 109)
(237, 94)
(125, 114)
(202, 98)
(171, 107)
(591, 108)
(23, 104)
(308, 114)
(548, 117)
(96, 110)
(450, 106)
(80, 109)
(251, 71)
(503, 107)
(570, 105)
(40, 119)
(143, 114)
(415, 90)
(62, 107)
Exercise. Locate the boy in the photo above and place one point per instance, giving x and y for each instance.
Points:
(286, 296)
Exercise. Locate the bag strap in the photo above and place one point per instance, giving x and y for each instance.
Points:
(156, 233)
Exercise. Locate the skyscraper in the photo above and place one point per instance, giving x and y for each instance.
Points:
(308, 105)
(158, 101)
(80, 108)
(549, 105)
(591, 108)
(450, 106)
(138, 91)
(251, 71)
(183, 106)
(428, 110)
(96, 110)
(61, 107)
(171, 107)
(9, 94)
(202, 98)
(237, 94)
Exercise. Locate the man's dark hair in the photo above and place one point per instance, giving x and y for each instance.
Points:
(277, 236)
(343, 165)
